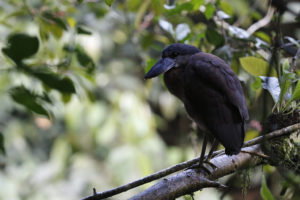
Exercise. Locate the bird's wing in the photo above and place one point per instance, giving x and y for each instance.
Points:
(214, 91)
(215, 72)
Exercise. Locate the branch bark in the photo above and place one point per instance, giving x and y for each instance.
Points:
(223, 162)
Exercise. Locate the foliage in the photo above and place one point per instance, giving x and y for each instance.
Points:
(278, 84)
(26, 98)
(256, 66)
(264, 190)
(76, 112)
(20, 46)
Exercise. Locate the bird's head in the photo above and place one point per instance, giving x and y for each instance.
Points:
(172, 56)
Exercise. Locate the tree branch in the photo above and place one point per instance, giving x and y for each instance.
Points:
(189, 181)
(184, 165)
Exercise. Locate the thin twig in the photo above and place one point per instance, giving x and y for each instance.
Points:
(187, 164)
(262, 22)
(262, 155)
(272, 135)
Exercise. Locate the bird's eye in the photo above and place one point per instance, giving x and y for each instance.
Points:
(174, 54)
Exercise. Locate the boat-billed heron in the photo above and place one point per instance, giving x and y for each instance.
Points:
(210, 91)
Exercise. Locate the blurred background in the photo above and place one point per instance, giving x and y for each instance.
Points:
(80, 114)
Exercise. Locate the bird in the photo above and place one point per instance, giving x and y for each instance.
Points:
(210, 91)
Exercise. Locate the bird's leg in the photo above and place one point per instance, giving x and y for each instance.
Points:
(202, 155)
(209, 156)
(205, 159)
(214, 147)
(204, 144)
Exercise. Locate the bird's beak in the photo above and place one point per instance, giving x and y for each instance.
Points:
(163, 65)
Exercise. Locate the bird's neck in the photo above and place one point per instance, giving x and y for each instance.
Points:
(174, 82)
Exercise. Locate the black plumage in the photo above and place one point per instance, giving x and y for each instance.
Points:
(211, 92)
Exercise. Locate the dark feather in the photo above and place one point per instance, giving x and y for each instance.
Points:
(214, 97)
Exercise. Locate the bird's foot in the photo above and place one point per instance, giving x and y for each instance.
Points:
(200, 167)
(205, 165)
(210, 163)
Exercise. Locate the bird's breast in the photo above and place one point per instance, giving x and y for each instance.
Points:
(174, 82)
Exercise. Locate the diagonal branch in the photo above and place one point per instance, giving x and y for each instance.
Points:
(184, 165)
(263, 22)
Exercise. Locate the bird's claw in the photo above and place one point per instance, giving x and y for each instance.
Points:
(211, 164)
(201, 166)
(204, 168)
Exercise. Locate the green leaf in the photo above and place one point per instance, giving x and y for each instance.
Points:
(50, 79)
(29, 100)
(66, 98)
(283, 89)
(197, 3)
(133, 5)
(199, 36)
(187, 6)
(84, 59)
(214, 37)
(20, 46)
(209, 11)
(55, 30)
(109, 2)
(255, 15)
(157, 7)
(257, 66)
(43, 33)
(55, 81)
(227, 8)
(296, 93)
(264, 190)
(81, 30)
(2, 148)
(51, 18)
(256, 84)
(263, 36)
(47, 26)
(79, 1)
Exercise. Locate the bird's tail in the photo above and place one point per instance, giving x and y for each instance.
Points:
(231, 136)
